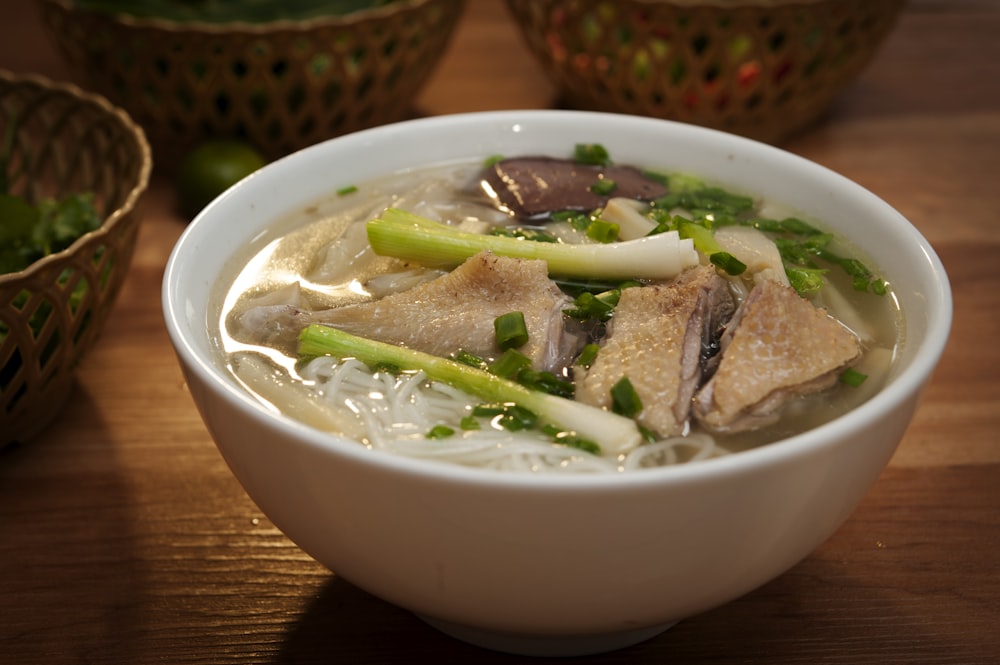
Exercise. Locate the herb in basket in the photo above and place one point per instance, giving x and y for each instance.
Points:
(29, 232)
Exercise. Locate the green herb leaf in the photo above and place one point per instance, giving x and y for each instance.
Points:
(29, 233)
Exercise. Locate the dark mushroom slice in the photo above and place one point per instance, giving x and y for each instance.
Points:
(537, 186)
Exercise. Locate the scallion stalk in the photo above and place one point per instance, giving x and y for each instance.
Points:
(614, 433)
(414, 238)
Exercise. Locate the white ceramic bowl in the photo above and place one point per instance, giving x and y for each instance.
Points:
(552, 565)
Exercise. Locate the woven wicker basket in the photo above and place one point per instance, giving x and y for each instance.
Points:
(280, 85)
(761, 68)
(63, 141)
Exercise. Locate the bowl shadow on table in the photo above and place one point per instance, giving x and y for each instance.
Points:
(56, 560)
(800, 617)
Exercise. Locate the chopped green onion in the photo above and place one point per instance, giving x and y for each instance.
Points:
(624, 399)
(792, 225)
(469, 423)
(511, 330)
(573, 440)
(665, 220)
(601, 231)
(470, 359)
(510, 363)
(490, 410)
(604, 186)
(578, 220)
(591, 153)
(516, 418)
(588, 355)
(805, 280)
(344, 191)
(508, 416)
(727, 262)
(598, 306)
(515, 366)
(440, 432)
(491, 160)
(703, 201)
(704, 241)
(546, 382)
(536, 235)
(798, 254)
(852, 377)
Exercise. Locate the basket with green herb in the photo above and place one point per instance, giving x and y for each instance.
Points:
(72, 167)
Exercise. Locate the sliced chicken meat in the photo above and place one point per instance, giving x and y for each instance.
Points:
(453, 312)
(778, 345)
(660, 337)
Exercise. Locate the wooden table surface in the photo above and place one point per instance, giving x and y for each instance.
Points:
(125, 539)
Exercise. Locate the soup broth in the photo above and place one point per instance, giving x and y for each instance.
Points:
(319, 259)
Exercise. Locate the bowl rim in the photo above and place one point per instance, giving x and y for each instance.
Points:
(904, 386)
(249, 28)
(128, 205)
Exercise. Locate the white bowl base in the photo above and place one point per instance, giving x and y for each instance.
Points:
(539, 645)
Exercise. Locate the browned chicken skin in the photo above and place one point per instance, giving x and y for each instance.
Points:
(455, 312)
(778, 345)
(656, 339)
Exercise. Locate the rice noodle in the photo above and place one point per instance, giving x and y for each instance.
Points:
(397, 412)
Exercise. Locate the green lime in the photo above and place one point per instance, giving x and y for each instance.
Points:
(211, 168)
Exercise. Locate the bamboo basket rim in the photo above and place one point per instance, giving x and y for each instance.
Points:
(248, 28)
(111, 222)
